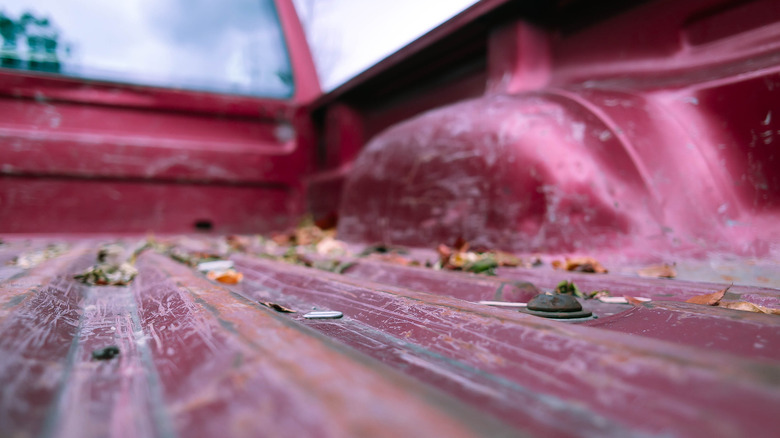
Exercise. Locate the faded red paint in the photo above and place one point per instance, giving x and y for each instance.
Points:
(600, 139)
(199, 358)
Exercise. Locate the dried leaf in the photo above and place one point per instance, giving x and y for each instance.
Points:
(308, 235)
(229, 276)
(343, 266)
(658, 271)
(395, 259)
(598, 294)
(444, 251)
(238, 243)
(580, 264)
(331, 246)
(460, 259)
(748, 307)
(328, 222)
(292, 256)
(281, 238)
(192, 258)
(110, 254)
(505, 259)
(569, 288)
(277, 307)
(335, 266)
(708, 299)
(636, 301)
(461, 245)
(105, 274)
(32, 258)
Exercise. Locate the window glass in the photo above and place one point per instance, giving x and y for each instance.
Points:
(349, 36)
(232, 46)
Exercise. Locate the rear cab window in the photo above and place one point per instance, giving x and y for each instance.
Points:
(232, 47)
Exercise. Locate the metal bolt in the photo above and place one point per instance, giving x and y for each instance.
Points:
(556, 306)
(554, 303)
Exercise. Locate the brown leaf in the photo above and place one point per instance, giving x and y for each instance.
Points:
(580, 264)
(444, 251)
(308, 235)
(658, 271)
(395, 259)
(192, 258)
(708, 299)
(749, 307)
(106, 274)
(330, 246)
(32, 258)
(633, 300)
(238, 243)
(328, 222)
(292, 256)
(229, 276)
(598, 294)
(461, 245)
(506, 259)
(458, 258)
(277, 307)
(281, 238)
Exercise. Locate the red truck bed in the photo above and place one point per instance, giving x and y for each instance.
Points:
(412, 355)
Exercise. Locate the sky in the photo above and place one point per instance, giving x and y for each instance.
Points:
(199, 43)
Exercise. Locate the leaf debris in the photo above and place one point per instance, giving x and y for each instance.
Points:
(106, 274)
(277, 307)
(227, 276)
(111, 269)
(307, 233)
(749, 307)
(709, 299)
(580, 264)
(459, 258)
(193, 258)
(658, 271)
(35, 257)
(715, 299)
(569, 288)
(636, 301)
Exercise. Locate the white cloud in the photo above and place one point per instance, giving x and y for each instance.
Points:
(348, 36)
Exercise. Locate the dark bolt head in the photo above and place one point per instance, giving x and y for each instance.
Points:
(556, 306)
(554, 303)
